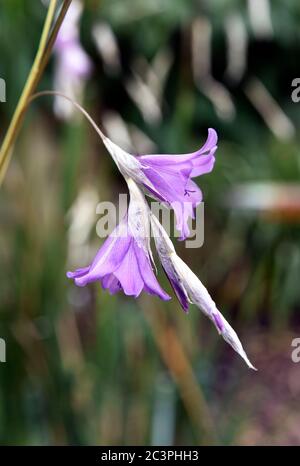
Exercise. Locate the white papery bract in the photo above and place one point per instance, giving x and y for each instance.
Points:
(189, 288)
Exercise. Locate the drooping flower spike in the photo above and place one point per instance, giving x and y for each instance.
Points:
(189, 288)
(168, 178)
(124, 260)
(127, 254)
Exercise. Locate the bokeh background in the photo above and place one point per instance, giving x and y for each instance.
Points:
(84, 367)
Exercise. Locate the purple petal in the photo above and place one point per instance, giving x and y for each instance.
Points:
(183, 211)
(211, 141)
(217, 318)
(179, 192)
(108, 258)
(108, 262)
(111, 283)
(154, 193)
(203, 164)
(69, 30)
(193, 194)
(171, 185)
(75, 61)
(151, 285)
(78, 273)
(196, 166)
(128, 273)
(179, 160)
(176, 285)
(171, 176)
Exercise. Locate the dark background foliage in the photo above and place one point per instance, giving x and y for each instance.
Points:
(87, 368)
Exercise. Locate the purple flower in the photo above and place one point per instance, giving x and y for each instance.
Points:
(168, 178)
(123, 262)
(172, 175)
(72, 65)
(73, 61)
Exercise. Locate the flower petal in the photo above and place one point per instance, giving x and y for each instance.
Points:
(200, 296)
(79, 272)
(108, 258)
(180, 193)
(211, 141)
(179, 160)
(177, 286)
(203, 164)
(151, 284)
(183, 211)
(171, 186)
(171, 176)
(111, 283)
(128, 273)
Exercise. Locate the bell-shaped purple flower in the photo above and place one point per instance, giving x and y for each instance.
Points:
(172, 175)
(123, 262)
(168, 178)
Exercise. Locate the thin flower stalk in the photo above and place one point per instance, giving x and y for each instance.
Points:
(38, 66)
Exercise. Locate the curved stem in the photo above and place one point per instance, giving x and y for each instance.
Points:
(77, 105)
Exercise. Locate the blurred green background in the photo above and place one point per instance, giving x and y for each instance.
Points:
(84, 367)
